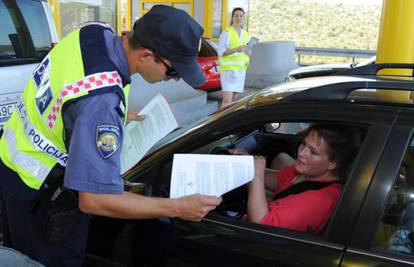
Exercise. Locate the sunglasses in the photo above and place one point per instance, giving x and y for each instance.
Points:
(170, 72)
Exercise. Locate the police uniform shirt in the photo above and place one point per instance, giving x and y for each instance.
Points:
(90, 168)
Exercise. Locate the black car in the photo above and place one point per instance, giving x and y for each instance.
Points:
(366, 227)
(324, 69)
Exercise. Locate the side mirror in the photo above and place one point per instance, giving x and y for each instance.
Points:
(272, 127)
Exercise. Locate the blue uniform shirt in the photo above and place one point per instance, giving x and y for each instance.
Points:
(88, 169)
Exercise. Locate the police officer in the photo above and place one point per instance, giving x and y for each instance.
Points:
(71, 115)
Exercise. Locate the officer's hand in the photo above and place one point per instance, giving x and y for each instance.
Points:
(133, 116)
(195, 207)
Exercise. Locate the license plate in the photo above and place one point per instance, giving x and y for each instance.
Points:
(5, 112)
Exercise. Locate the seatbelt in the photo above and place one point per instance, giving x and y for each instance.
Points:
(302, 187)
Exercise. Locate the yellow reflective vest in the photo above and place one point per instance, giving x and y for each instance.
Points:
(33, 139)
(239, 60)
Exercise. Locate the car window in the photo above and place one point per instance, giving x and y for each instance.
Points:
(286, 127)
(24, 35)
(396, 231)
(280, 150)
(207, 49)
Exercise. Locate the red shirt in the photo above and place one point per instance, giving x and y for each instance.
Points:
(311, 208)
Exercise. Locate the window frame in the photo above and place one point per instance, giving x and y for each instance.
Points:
(30, 51)
(284, 112)
(364, 235)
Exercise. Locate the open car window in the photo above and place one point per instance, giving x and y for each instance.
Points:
(256, 140)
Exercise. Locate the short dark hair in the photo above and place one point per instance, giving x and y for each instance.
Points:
(342, 142)
(133, 40)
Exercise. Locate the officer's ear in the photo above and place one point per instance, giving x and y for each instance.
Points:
(144, 54)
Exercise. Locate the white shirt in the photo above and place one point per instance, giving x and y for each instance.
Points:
(231, 80)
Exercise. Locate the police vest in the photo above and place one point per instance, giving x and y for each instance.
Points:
(239, 60)
(33, 140)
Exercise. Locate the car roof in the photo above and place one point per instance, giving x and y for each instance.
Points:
(320, 67)
(330, 67)
(317, 90)
(361, 83)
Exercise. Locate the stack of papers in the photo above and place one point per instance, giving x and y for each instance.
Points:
(211, 175)
(252, 42)
(140, 136)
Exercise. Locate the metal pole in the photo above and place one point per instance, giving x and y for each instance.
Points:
(396, 41)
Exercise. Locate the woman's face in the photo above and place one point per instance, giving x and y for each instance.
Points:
(313, 159)
(237, 18)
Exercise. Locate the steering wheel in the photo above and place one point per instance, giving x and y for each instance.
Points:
(234, 204)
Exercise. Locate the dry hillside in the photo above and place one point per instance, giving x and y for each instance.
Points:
(316, 24)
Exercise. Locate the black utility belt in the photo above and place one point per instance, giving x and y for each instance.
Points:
(56, 207)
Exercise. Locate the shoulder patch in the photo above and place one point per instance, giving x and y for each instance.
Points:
(99, 23)
(107, 140)
(41, 77)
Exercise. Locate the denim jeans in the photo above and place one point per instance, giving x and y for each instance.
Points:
(401, 240)
(12, 258)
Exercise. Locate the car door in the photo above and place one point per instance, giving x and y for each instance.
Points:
(383, 229)
(223, 241)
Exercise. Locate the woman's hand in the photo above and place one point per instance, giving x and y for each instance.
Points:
(259, 167)
(238, 151)
(257, 203)
(245, 49)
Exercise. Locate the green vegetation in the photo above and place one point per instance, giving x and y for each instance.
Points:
(316, 24)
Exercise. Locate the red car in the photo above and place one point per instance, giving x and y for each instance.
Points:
(208, 59)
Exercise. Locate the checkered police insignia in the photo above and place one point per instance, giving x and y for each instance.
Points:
(107, 139)
(88, 83)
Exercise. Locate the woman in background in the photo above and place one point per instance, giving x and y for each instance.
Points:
(233, 57)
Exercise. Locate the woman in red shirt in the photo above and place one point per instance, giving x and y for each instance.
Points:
(325, 155)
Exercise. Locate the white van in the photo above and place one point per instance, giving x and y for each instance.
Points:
(27, 33)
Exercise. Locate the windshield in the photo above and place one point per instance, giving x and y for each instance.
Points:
(24, 36)
(178, 133)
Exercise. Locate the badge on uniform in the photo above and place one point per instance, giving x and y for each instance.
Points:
(107, 139)
(44, 99)
(41, 77)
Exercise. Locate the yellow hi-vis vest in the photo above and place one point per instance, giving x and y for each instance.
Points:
(33, 139)
(239, 60)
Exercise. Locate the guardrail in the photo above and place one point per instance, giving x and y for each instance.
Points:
(334, 52)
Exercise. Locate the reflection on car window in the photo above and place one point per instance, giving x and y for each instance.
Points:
(396, 231)
(291, 127)
(24, 32)
(207, 49)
